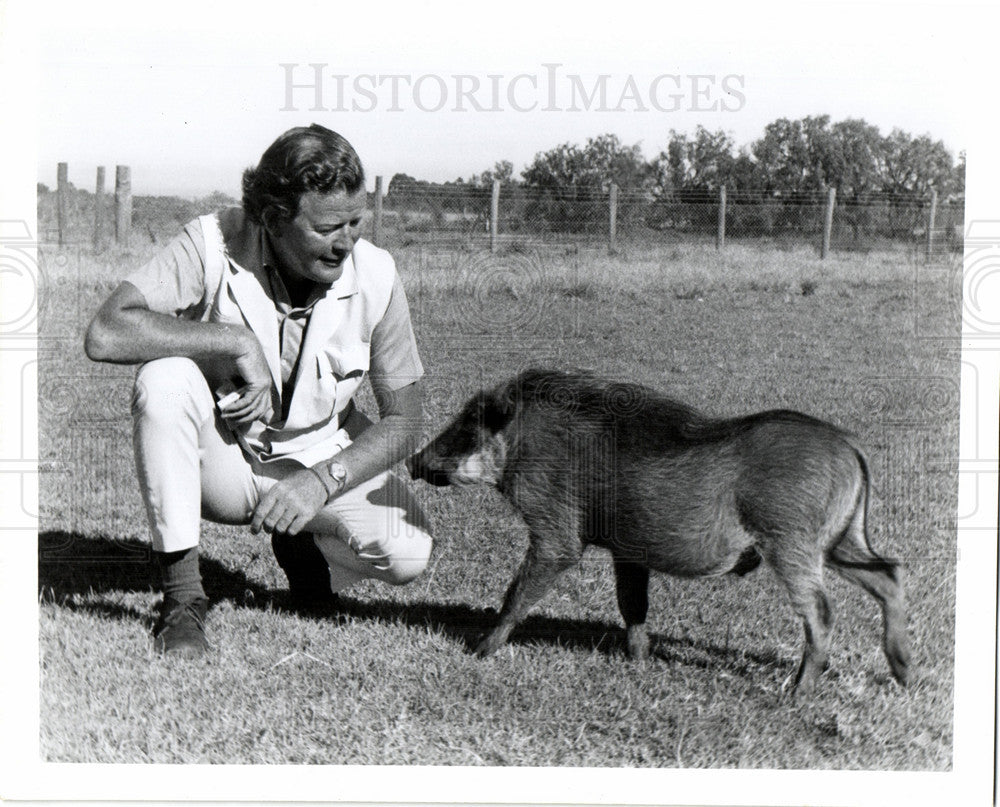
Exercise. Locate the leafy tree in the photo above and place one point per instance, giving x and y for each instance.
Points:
(603, 160)
(916, 164)
(958, 175)
(857, 158)
(795, 156)
(697, 164)
(612, 161)
(567, 186)
(502, 171)
(403, 185)
(560, 167)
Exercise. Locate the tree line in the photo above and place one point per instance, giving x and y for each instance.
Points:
(794, 162)
(790, 167)
(792, 156)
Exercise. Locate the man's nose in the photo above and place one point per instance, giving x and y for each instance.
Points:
(344, 241)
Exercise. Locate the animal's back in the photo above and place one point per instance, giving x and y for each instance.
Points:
(691, 492)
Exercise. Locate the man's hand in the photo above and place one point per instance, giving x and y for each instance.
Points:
(125, 331)
(255, 394)
(290, 505)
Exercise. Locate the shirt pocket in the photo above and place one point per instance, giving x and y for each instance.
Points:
(347, 365)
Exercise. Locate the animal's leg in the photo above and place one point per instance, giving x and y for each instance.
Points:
(536, 575)
(632, 583)
(804, 580)
(854, 559)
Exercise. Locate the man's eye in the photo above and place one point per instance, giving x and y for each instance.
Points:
(355, 222)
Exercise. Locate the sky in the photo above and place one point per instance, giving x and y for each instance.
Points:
(191, 96)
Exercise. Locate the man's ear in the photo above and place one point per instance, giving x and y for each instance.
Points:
(267, 220)
(271, 218)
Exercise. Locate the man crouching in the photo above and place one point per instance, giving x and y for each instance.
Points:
(255, 327)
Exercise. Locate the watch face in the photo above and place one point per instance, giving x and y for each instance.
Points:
(338, 472)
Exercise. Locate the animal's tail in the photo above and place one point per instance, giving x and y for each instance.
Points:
(856, 531)
(853, 557)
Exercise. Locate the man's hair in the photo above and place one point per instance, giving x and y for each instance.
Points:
(303, 159)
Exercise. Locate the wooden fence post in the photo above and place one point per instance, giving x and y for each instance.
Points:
(831, 201)
(720, 234)
(613, 218)
(377, 219)
(62, 201)
(99, 209)
(931, 215)
(494, 215)
(123, 204)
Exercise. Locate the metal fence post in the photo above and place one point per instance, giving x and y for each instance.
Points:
(831, 200)
(377, 218)
(720, 234)
(123, 204)
(931, 215)
(62, 201)
(613, 218)
(494, 215)
(99, 209)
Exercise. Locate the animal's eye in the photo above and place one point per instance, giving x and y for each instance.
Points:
(493, 416)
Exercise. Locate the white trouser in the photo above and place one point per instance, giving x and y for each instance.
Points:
(190, 466)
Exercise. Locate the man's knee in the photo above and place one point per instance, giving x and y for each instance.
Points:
(405, 568)
(396, 559)
(172, 384)
(385, 528)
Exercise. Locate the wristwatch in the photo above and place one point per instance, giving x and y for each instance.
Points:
(333, 477)
(338, 473)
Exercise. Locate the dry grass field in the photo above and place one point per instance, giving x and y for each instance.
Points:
(868, 341)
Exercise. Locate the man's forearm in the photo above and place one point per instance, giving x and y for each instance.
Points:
(125, 331)
(378, 448)
(140, 336)
(395, 436)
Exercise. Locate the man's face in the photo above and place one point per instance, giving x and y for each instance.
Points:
(314, 245)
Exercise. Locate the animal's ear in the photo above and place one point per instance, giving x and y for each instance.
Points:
(497, 409)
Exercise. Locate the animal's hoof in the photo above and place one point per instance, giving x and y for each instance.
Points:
(795, 692)
(638, 645)
(798, 692)
(899, 663)
(485, 648)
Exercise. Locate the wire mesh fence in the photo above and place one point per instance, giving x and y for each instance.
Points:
(509, 215)
(592, 217)
(430, 214)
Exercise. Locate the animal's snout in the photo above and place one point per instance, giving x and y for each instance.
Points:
(421, 467)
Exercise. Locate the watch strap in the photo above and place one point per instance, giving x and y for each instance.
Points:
(330, 490)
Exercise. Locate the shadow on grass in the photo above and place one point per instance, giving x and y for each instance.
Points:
(467, 625)
(72, 564)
